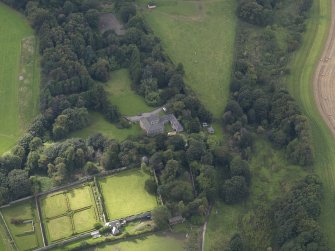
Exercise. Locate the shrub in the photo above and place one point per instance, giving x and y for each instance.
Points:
(151, 186)
(97, 225)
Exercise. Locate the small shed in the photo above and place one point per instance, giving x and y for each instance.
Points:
(95, 234)
(176, 220)
(151, 6)
(115, 231)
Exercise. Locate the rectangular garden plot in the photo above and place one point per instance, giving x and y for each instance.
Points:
(69, 212)
(84, 220)
(23, 224)
(59, 228)
(124, 194)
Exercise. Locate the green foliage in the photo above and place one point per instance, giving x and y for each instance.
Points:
(151, 186)
(19, 183)
(295, 217)
(161, 216)
(234, 190)
(104, 230)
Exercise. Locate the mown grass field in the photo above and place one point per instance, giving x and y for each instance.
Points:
(26, 211)
(121, 94)
(98, 124)
(124, 194)
(19, 99)
(199, 34)
(300, 85)
(69, 212)
(271, 177)
(161, 242)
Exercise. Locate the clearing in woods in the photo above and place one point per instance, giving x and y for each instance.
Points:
(300, 83)
(98, 124)
(124, 194)
(121, 94)
(202, 40)
(19, 76)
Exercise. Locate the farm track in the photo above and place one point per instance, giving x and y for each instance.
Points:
(324, 78)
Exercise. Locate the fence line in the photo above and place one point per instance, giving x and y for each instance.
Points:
(73, 184)
(8, 232)
(39, 213)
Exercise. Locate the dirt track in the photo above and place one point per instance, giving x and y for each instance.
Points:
(324, 78)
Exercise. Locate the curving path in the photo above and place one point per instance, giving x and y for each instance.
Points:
(324, 78)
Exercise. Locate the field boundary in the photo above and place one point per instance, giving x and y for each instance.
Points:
(38, 208)
(8, 232)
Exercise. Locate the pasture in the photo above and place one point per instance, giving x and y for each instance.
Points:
(75, 212)
(121, 94)
(25, 237)
(300, 86)
(202, 40)
(98, 124)
(18, 57)
(124, 194)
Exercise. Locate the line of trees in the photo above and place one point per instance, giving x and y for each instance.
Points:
(269, 31)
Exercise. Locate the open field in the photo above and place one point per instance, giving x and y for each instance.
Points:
(161, 242)
(202, 39)
(269, 170)
(124, 194)
(18, 57)
(24, 236)
(98, 124)
(300, 84)
(75, 212)
(121, 94)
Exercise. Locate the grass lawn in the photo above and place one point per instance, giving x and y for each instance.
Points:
(48, 205)
(200, 35)
(161, 242)
(19, 99)
(121, 94)
(84, 220)
(300, 85)
(25, 210)
(124, 194)
(59, 228)
(80, 198)
(69, 212)
(100, 125)
(222, 224)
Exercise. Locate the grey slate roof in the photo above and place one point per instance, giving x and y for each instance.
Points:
(154, 124)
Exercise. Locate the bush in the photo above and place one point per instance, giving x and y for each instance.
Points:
(16, 221)
(151, 186)
(97, 226)
(104, 230)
